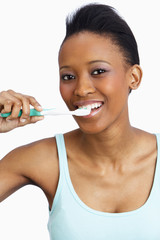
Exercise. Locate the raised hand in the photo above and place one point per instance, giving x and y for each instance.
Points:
(13, 102)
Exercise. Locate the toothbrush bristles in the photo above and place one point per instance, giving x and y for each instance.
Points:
(82, 112)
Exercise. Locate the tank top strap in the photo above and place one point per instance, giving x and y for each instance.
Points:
(62, 163)
(61, 153)
(157, 169)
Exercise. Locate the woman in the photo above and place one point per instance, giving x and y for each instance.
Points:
(101, 180)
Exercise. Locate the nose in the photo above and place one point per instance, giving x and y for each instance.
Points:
(84, 86)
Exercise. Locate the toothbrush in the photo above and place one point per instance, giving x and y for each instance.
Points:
(52, 112)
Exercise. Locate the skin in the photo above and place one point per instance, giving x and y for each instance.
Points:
(109, 160)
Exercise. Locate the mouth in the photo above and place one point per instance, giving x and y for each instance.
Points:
(94, 107)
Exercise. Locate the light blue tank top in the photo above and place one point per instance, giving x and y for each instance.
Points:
(71, 219)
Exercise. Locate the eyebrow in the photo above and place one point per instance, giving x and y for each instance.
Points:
(95, 61)
(91, 62)
(64, 67)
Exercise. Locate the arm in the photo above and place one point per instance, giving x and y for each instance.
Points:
(11, 174)
(15, 167)
(35, 163)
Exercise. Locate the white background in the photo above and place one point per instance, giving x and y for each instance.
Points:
(31, 32)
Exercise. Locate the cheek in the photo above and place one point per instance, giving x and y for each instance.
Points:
(66, 91)
(115, 84)
(116, 91)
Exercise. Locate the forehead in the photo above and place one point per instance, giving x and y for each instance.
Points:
(86, 46)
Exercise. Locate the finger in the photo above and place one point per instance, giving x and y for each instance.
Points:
(7, 107)
(15, 111)
(35, 103)
(22, 98)
(7, 101)
(2, 99)
(4, 95)
(13, 105)
(25, 108)
(26, 101)
(34, 119)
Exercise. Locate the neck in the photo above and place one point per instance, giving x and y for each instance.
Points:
(114, 144)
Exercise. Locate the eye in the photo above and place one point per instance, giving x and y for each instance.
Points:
(98, 71)
(67, 77)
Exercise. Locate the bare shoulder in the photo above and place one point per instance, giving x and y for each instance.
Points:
(147, 139)
(33, 154)
(35, 163)
(145, 147)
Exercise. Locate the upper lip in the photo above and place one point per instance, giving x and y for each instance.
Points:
(86, 102)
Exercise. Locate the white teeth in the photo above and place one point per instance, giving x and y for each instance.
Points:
(91, 106)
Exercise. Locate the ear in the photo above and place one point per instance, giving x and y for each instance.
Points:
(135, 77)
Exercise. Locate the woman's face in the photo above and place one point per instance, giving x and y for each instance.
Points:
(93, 72)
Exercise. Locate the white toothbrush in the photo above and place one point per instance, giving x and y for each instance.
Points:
(53, 112)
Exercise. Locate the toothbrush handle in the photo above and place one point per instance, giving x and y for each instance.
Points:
(33, 112)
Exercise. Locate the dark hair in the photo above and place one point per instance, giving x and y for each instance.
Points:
(104, 20)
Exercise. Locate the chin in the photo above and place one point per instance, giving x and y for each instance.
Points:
(91, 129)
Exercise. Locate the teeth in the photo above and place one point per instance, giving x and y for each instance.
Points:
(91, 106)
